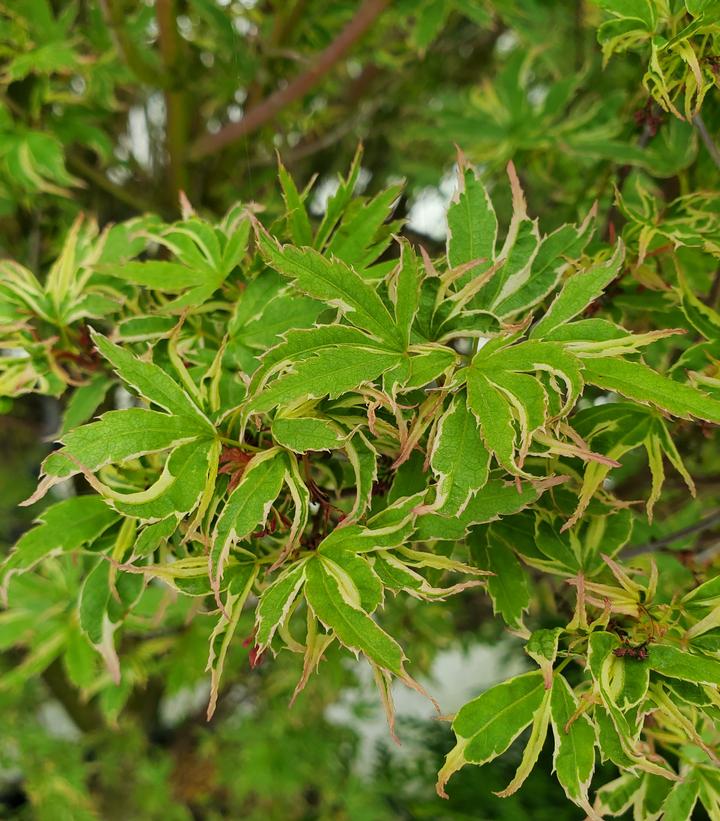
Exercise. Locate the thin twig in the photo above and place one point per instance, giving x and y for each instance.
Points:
(707, 555)
(707, 139)
(176, 117)
(350, 98)
(305, 149)
(257, 116)
(119, 192)
(703, 524)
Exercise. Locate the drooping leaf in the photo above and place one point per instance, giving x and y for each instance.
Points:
(486, 726)
(636, 381)
(574, 755)
(353, 627)
(533, 748)
(276, 600)
(247, 507)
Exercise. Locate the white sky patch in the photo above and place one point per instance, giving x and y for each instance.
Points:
(428, 214)
(234, 113)
(363, 180)
(243, 26)
(506, 42)
(184, 703)
(123, 399)
(156, 112)
(118, 174)
(465, 345)
(537, 94)
(139, 136)
(605, 399)
(323, 191)
(449, 183)
(185, 26)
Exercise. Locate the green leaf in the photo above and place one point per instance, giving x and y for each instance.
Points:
(152, 382)
(404, 290)
(267, 310)
(508, 587)
(428, 23)
(391, 527)
(497, 498)
(574, 755)
(533, 748)
(339, 201)
(578, 292)
(617, 796)
(495, 417)
(552, 259)
(636, 381)
(542, 647)
(145, 328)
(670, 661)
(353, 627)
(297, 216)
(555, 546)
(459, 459)
(520, 248)
(425, 366)
(329, 372)
(681, 800)
(357, 581)
(152, 536)
(247, 507)
(301, 344)
(162, 276)
(79, 659)
(333, 282)
(63, 527)
(630, 680)
(704, 318)
(84, 402)
(610, 743)
(363, 459)
(486, 726)
(118, 436)
(224, 631)
(179, 488)
(95, 621)
(501, 396)
(303, 433)
(359, 239)
(472, 225)
(276, 600)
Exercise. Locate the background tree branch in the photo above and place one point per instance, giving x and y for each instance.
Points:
(254, 119)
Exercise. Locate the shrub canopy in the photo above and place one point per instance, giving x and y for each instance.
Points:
(292, 424)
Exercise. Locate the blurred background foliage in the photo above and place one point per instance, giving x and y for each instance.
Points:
(113, 109)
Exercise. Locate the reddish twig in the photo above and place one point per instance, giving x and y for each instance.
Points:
(368, 12)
